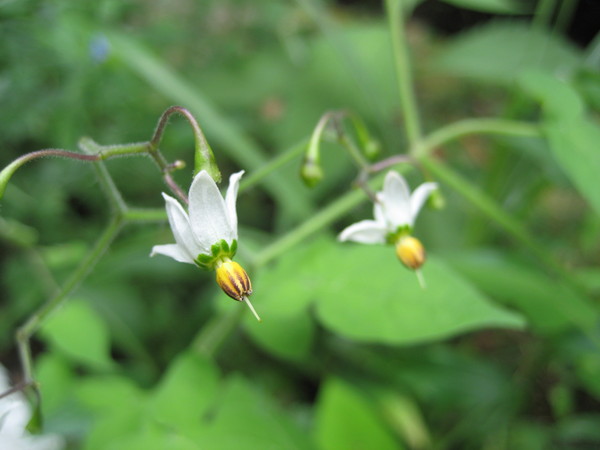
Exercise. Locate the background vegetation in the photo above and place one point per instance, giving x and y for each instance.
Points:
(500, 351)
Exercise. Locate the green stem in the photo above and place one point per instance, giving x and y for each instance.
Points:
(145, 215)
(274, 164)
(403, 73)
(353, 150)
(204, 158)
(319, 220)
(474, 126)
(25, 332)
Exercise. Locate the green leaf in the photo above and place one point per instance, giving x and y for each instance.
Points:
(285, 336)
(575, 145)
(79, 333)
(573, 138)
(364, 293)
(185, 392)
(56, 381)
(105, 395)
(497, 52)
(549, 305)
(558, 99)
(367, 295)
(345, 420)
(245, 419)
(492, 6)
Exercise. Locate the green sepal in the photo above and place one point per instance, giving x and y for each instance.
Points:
(402, 230)
(219, 251)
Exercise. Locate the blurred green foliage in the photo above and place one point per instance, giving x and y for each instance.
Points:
(500, 351)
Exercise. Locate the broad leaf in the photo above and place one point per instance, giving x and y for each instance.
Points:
(364, 293)
(497, 52)
(345, 419)
(573, 138)
(79, 333)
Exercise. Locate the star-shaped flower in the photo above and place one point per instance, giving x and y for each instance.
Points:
(395, 213)
(207, 236)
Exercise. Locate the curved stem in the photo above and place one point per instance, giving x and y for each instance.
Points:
(474, 126)
(9, 170)
(204, 157)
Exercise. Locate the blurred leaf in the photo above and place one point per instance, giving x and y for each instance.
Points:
(497, 52)
(185, 392)
(573, 138)
(558, 99)
(104, 395)
(77, 332)
(110, 428)
(549, 305)
(152, 437)
(346, 420)
(286, 336)
(492, 6)
(245, 419)
(364, 293)
(56, 381)
(574, 144)
(367, 295)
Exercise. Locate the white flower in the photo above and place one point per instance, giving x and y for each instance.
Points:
(207, 236)
(395, 212)
(212, 220)
(14, 416)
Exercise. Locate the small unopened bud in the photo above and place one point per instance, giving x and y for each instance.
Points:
(234, 281)
(436, 200)
(311, 172)
(372, 149)
(411, 252)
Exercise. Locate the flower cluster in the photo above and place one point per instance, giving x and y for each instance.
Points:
(207, 235)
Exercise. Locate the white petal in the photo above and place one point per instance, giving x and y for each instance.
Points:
(378, 210)
(231, 197)
(418, 197)
(365, 232)
(173, 251)
(208, 216)
(182, 231)
(396, 200)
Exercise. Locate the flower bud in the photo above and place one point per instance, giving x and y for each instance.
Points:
(410, 252)
(234, 281)
(311, 172)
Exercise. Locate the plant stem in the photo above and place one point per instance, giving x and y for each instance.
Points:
(145, 215)
(319, 220)
(274, 164)
(34, 322)
(474, 126)
(403, 71)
